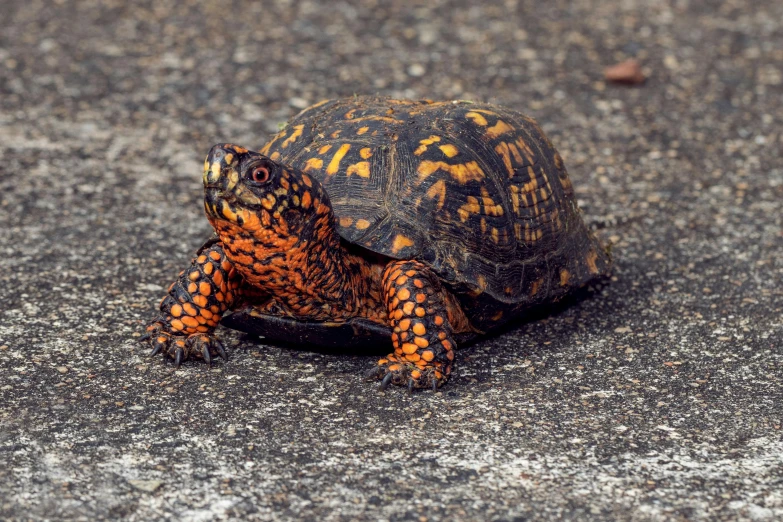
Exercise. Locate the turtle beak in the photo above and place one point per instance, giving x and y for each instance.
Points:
(212, 202)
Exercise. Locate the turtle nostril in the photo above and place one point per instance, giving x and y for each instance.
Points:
(218, 153)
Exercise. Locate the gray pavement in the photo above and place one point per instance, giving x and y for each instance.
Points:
(657, 398)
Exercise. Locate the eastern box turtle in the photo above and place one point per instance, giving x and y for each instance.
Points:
(368, 219)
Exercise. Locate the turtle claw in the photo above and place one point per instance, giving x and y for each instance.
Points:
(180, 346)
(221, 350)
(373, 373)
(386, 381)
(206, 347)
(399, 372)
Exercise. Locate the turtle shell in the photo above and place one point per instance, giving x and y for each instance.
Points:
(476, 191)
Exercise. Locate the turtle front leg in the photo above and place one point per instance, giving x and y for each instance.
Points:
(193, 307)
(422, 333)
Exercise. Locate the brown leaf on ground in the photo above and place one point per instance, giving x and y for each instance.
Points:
(628, 72)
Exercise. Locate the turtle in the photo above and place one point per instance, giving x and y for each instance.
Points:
(368, 221)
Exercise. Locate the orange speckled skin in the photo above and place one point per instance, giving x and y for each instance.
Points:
(423, 317)
(194, 305)
(430, 220)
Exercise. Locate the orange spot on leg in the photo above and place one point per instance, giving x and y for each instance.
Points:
(409, 348)
(421, 342)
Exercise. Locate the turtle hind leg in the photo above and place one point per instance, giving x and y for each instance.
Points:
(422, 334)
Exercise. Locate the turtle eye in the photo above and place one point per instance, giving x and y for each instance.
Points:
(260, 174)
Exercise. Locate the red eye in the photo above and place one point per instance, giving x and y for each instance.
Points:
(260, 174)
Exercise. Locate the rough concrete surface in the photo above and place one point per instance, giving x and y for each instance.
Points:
(657, 398)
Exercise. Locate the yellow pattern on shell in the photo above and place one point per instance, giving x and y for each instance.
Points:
(401, 242)
(423, 144)
(294, 135)
(461, 172)
(334, 165)
(438, 190)
(313, 163)
(477, 118)
(449, 150)
(499, 129)
(361, 169)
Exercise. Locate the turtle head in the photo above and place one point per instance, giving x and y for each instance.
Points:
(249, 190)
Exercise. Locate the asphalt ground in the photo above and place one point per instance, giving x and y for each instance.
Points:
(657, 397)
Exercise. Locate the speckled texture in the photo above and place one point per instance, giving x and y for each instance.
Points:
(661, 398)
